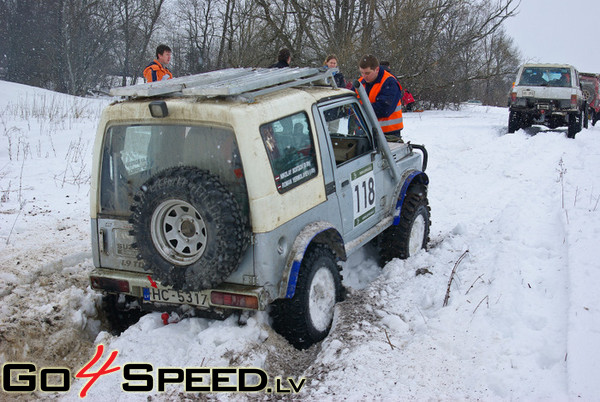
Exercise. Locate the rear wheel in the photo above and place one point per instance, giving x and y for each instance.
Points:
(306, 318)
(574, 125)
(514, 121)
(120, 312)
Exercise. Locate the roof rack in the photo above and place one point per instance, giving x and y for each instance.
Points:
(246, 82)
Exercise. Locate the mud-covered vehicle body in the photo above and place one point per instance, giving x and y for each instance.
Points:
(590, 83)
(225, 192)
(547, 94)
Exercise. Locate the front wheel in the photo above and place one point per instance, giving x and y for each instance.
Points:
(411, 234)
(306, 318)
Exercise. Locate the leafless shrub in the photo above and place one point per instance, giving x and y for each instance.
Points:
(51, 108)
(23, 147)
(10, 133)
(452, 277)
(5, 197)
(473, 284)
(76, 171)
(13, 226)
(20, 198)
(486, 299)
(562, 170)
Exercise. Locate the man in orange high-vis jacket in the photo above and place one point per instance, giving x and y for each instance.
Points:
(156, 71)
(385, 95)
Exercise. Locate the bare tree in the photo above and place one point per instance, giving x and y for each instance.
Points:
(83, 41)
(445, 51)
(345, 28)
(194, 37)
(29, 27)
(136, 22)
(441, 53)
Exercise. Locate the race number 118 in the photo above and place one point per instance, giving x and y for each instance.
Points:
(363, 194)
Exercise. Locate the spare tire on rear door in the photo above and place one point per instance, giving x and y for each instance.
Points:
(188, 228)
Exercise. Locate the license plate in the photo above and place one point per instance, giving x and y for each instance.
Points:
(528, 92)
(176, 297)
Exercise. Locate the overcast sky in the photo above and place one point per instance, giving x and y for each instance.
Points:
(558, 31)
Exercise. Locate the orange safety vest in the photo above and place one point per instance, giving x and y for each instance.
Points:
(155, 72)
(394, 121)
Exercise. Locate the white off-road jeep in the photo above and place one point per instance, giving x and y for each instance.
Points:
(241, 189)
(547, 94)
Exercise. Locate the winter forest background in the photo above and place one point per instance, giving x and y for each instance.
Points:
(443, 51)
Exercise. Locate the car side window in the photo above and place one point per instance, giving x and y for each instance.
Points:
(347, 130)
(291, 151)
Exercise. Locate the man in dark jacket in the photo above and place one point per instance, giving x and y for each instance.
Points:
(283, 59)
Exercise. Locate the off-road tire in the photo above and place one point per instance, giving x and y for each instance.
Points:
(306, 318)
(595, 117)
(188, 228)
(412, 232)
(584, 115)
(574, 124)
(514, 121)
(120, 315)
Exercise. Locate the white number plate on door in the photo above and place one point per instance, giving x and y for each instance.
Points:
(363, 194)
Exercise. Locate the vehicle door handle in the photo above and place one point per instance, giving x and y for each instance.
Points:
(345, 183)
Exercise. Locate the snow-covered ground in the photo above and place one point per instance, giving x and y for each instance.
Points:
(516, 217)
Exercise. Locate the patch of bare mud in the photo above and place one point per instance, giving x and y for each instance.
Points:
(47, 309)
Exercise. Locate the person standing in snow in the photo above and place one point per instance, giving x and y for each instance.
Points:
(283, 59)
(385, 95)
(340, 81)
(156, 71)
(408, 100)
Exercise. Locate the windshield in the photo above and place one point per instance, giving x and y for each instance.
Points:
(546, 76)
(134, 153)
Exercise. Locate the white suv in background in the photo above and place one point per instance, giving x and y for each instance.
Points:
(547, 94)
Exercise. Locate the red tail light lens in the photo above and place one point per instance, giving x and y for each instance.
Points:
(573, 100)
(110, 285)
(234, 300)
(513, 96)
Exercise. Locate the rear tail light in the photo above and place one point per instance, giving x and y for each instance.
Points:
(110, 285)
(234, 300)
(513, 96)
(574, 100)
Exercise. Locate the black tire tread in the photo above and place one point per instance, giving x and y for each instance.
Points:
(119, 318)
(393, 242)
(513, 122)
(290, 316)
(220, 212)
